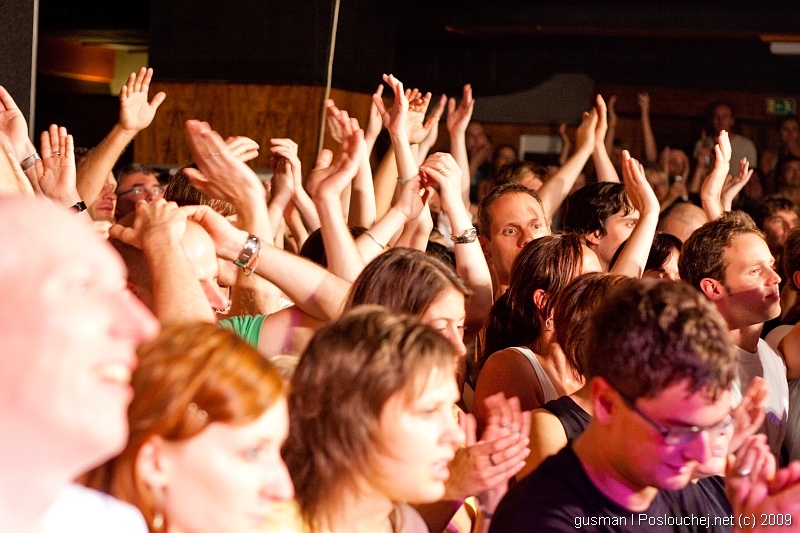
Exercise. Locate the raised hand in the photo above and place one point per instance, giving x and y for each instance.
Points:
(442, 169)
(612, 111)
(638, 189)
(243, 148)
(14, 126)
(416, 125)
(644, 103)
(56, 170)
(154, 222)
(711, 191)
(602, 121)
(458, 117)
(331, 175)
(734, 184)
(221, 174)
(135, 112)
(489, 463)
(749, 414)
(586, 134)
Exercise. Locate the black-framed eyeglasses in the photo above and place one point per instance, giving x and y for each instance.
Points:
(139, 190)
(680, 435)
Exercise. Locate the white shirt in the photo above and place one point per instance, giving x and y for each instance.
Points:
(82, 510)
(767, 364)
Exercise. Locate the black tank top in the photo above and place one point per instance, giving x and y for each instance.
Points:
(570, 414)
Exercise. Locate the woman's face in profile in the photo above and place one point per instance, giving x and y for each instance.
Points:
(418, 440)
(224, 479)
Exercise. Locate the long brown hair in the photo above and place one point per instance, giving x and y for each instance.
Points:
(188, 369)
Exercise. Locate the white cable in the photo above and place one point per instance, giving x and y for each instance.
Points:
(329, 76)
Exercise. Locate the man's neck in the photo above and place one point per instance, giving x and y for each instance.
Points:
(594, 452)
(747, 337)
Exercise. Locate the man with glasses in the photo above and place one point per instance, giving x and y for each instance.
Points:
(134, 183)
(663, 364)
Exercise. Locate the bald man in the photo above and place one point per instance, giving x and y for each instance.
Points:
(69, 331)
(681, 220)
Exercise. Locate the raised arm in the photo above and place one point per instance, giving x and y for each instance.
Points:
(135, 114)
(557, 186)
(433, 134)
(633, 257)
(15, 129)
(287, 149)
(56, 170)
(314, 290)
(650, 149)
(222, 175)
(157, 231)
(602, 163)
(333, 176)
(612, 124)
(566, 145)
(362, 196)
(457, 121)
(711, 192)
(470, 261)
(734, 184)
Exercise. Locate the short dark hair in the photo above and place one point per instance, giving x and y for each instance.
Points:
(485, 218)
(513, 172)
(588, 208)
(703, 253)
(314, 248)
(770, 205)
(650, 334)
(133, 168)
(785, 161)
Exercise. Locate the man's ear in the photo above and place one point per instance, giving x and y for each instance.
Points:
(593, 238)
(485, 247)
(796, 278)
(713, 289)
(603, 400)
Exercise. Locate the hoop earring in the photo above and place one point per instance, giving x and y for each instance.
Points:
(548, 324)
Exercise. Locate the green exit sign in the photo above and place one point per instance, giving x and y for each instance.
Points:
(781, 106)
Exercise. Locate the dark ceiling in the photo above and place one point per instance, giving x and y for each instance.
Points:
(506, 46)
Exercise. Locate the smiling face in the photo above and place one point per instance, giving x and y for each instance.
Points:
(227, 477)
(69, 334)
(418, 435)
(749, 294)
(642, 459)
(516, 220)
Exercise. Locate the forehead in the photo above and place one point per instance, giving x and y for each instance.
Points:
(449, 304)
(138, 178)
(722, 110)
(512, 206)
(747, 247)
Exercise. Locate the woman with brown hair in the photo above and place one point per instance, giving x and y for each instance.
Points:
(522, 357)
(372, 424)
(207, 421)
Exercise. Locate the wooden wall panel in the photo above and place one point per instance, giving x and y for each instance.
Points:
(260, 112)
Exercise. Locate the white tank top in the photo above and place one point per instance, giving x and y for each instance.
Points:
(544, 380)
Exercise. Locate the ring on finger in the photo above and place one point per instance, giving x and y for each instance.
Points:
(742, 472)
(443, 169)
(56, 153)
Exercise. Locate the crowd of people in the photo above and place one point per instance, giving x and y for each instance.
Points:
(451, 341)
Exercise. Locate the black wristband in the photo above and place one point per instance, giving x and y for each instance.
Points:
(79, 207)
